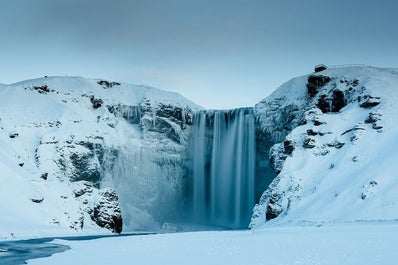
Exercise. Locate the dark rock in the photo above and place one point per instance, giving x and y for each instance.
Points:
(13, 135)
(83, 169)
(44, 176)
(356, 128)
(273, 207)
(373, 119)
(176, 114)
(368, 101)
(348, 83)
(332, 103)
(309, 142)
(107, 84)
(21, 164)
(90, 145)
(318, 122)
(42, 89)
(37, 200)
(315, 82)
(324, 104)
(107, 212)
(311, 132)
(338, 100)
(288, 146)
(355, 82)
(336, 145)
(97, 102)
(81, 161)
(319, 68)
(169, 111)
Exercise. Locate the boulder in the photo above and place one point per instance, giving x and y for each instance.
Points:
(319, 68)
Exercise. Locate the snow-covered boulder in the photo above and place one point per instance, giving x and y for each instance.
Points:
(337, 160)
(319, 68)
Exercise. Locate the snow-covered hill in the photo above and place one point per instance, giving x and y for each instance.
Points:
(78, 154)
(70, 146)
(336, 136)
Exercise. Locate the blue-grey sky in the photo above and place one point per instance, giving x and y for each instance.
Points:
(218, 53)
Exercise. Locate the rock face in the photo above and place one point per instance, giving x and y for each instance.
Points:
(106, 212)
(111, 152)
(322, 153)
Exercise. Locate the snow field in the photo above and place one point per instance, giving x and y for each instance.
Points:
(350, 243)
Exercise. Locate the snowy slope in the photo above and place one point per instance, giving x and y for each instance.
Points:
(338, 163)
(60, 141)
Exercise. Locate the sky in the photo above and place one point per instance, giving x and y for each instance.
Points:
(221, 54)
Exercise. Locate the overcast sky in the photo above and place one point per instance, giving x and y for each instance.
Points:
(218, 53)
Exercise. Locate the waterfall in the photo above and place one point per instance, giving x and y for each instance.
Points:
(222, 167)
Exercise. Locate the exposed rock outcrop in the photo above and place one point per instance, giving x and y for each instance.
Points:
(101, 205)
(106, 212)
(315, 82)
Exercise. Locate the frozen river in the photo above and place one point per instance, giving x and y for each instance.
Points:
(17, 252)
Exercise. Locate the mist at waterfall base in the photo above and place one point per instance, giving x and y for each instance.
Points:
(221, 184)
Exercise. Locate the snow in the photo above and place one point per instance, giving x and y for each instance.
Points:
(38, 126)
(351, 244)
(357, 181)
(123, 93)
(320, 186)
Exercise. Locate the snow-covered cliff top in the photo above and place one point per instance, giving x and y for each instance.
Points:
(111, 91)
(338, 162)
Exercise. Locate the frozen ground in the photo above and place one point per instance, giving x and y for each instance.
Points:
(353, 243)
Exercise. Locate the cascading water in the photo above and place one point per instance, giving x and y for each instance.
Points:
(222, 172)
